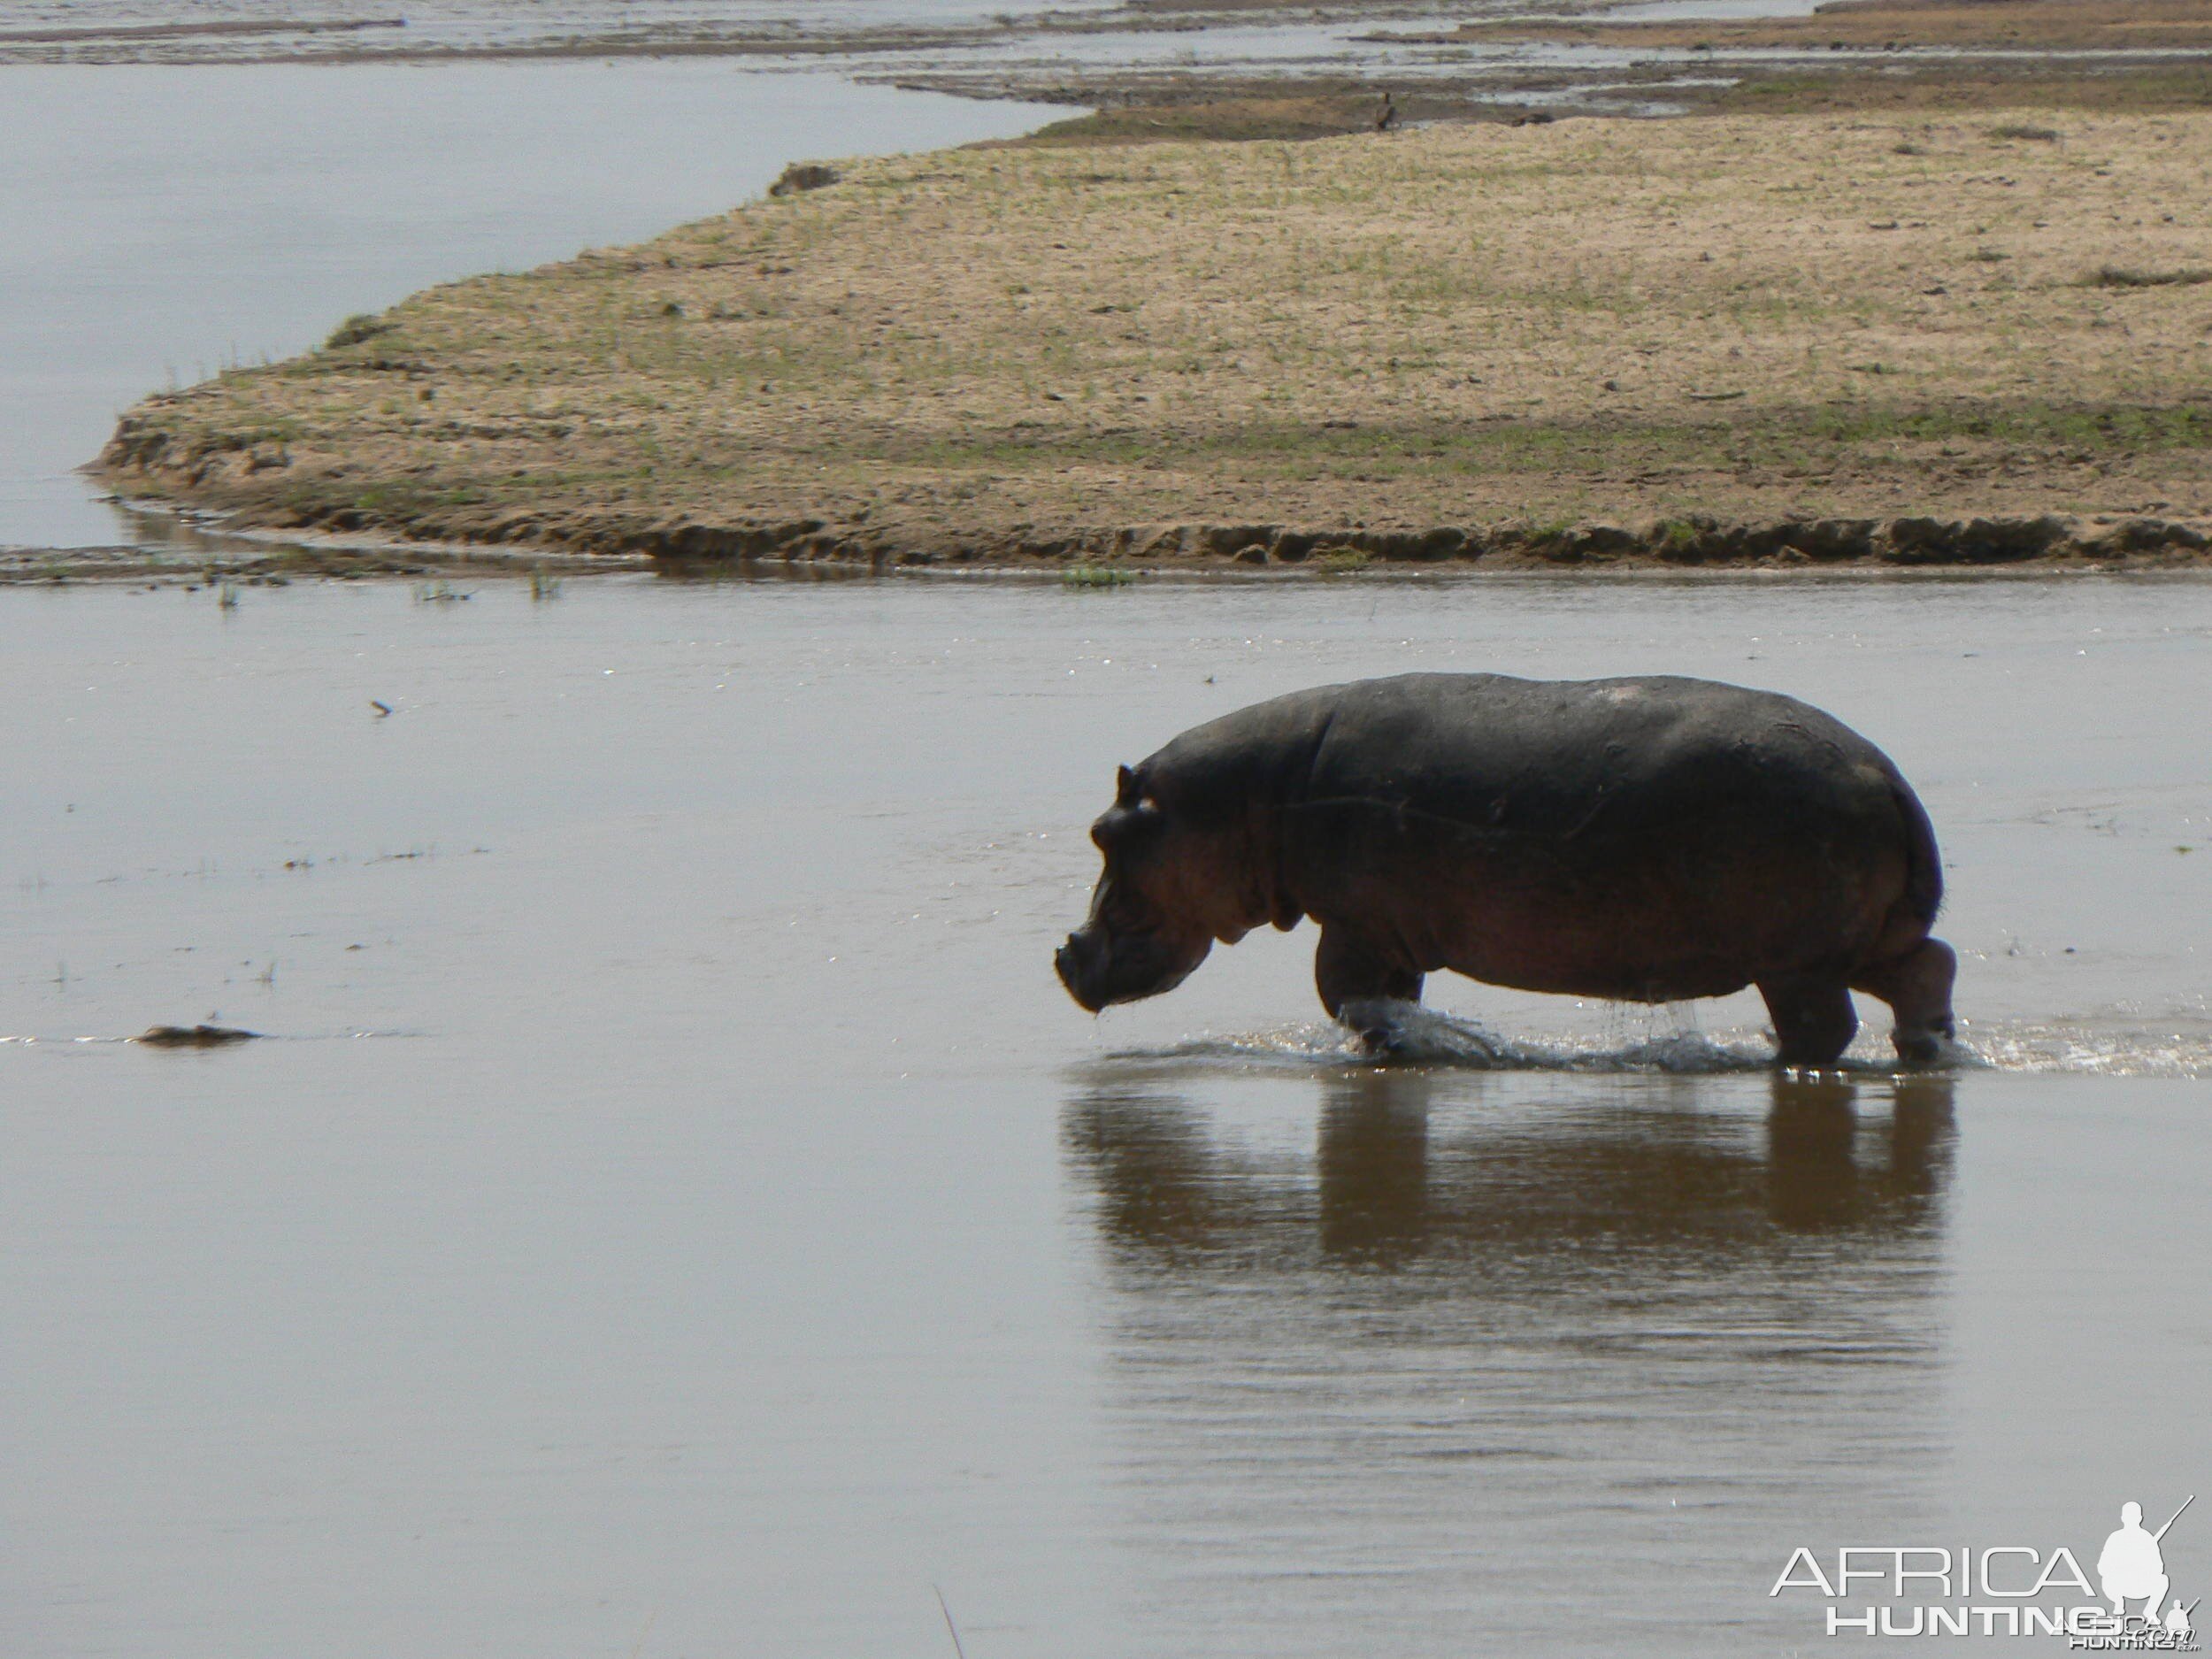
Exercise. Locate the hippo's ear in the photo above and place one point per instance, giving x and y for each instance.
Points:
(1125, 788)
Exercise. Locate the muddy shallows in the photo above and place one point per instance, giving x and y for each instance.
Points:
(674, 1208)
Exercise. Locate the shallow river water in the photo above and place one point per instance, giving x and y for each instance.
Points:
(674, 1210)
(163, 223)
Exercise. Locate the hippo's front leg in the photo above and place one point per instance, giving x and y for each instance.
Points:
(1814, 1021)
(1354, 977)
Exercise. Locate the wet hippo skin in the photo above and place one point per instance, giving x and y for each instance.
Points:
(1648, 839)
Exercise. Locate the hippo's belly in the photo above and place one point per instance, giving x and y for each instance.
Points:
(1698, 889)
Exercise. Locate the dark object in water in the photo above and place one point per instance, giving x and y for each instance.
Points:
(1648, 840)
(804, 175)
(194, 1036)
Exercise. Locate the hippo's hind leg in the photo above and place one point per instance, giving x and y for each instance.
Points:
(1814, 1021)
(1918, 988)
(1347, 970)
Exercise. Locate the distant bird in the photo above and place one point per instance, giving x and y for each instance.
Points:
(382, 708)
(1386, 117)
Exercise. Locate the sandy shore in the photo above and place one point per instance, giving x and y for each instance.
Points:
(1795, 339)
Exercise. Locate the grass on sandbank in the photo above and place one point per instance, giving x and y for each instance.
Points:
(1727, 316)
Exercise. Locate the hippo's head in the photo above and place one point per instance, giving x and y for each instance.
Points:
(1169, 890)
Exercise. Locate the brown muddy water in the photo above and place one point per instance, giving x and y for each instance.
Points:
(675, 1212)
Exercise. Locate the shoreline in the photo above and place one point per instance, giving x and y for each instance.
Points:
(2106, 545)
(1569, 57)
(1873, 549)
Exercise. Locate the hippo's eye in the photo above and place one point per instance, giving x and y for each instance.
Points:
(1121, 827)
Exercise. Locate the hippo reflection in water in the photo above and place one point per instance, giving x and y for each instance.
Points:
(1643, 839)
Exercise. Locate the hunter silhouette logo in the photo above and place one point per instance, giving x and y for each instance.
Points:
(2007, 1590)
(2132, 1565)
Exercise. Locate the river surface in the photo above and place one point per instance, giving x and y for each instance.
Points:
(165, 223)
(674, 1210)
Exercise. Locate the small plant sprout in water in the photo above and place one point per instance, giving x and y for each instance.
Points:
(227, 595)
(543, 583)
(1096, 576)
(438, 594)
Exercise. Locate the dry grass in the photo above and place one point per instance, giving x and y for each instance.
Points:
(1736, 316)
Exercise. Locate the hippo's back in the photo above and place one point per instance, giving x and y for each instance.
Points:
(1587, 759)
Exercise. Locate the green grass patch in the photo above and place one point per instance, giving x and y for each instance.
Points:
(354, 330)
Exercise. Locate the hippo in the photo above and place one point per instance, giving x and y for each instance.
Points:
(1651, 839)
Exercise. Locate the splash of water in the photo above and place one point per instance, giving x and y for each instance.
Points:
(2060, 1047)
(1421, 1036)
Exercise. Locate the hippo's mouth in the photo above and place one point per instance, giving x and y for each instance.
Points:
(1100, 972)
